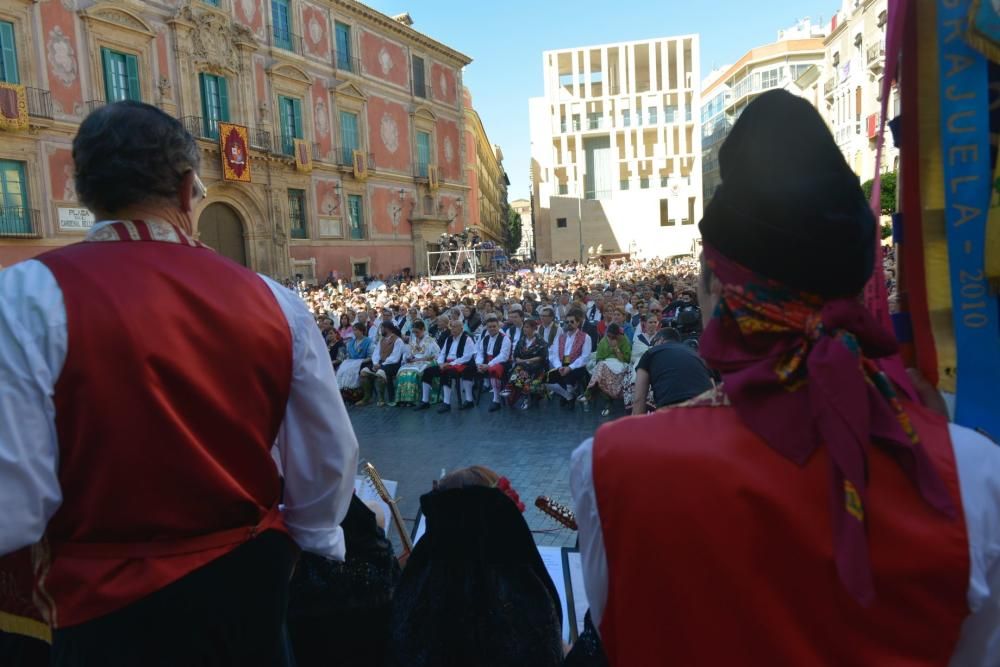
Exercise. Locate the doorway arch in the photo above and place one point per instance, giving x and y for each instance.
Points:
(220, 228)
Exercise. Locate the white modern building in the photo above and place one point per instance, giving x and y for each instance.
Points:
(793, 63)
(616, 150)
(852, 84)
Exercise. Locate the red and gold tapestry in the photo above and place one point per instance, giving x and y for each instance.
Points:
(13, 107)
(303, 155)
(234, 146)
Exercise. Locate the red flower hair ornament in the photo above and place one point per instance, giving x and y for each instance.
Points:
(504, 485)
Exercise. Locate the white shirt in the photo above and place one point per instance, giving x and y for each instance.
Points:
(555, 358)
(395, 356)
(486, 344)
(449, 353)
(316, 450)
(551, 330)
(978, 462)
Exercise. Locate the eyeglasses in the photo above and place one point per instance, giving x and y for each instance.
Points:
(200, 191)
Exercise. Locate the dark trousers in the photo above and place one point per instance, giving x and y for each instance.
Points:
(21, 651)
(577, 376)
(229, 613)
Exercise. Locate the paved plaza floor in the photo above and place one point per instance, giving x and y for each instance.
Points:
(530, 447)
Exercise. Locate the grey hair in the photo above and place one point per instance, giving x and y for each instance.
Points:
(127, 153)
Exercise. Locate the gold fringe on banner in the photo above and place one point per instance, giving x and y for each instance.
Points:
(983, 22)
(13, 107)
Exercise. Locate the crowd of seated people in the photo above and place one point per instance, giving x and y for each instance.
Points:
(573, 333)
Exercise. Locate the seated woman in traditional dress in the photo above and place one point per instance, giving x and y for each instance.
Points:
(475, 592)
(527, 378)
(349, 373)
(422, 354)
(614, 368)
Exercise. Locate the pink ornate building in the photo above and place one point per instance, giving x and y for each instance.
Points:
(379, 103)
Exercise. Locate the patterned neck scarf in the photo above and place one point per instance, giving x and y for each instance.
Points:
(799, 372)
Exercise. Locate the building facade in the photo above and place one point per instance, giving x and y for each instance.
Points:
(373, 108)
(793, 63)
(485, 177)
(526, 249)
(616, 151)
(852, 84)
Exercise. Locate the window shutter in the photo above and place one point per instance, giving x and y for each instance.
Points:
(9, 53)
(132, 68)
(283, 118)
(223, 99)
(203, 86)
(297, 113)
(108, 75)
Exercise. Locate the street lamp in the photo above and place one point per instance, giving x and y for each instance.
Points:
(579, 210)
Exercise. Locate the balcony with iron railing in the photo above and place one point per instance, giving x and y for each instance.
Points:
(260, 139)
(39, 102)
(201, 128)
(18, 222)
(286, 41)
(94, 105)
(421, 171)
(343, 156)
(876, 56)
(828, 86)
(345, 62)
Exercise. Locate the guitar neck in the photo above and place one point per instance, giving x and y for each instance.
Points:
(404, 538)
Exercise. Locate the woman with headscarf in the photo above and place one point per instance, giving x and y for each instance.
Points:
(613, 369)
(349, 372)
(830, 512)
(475, 592)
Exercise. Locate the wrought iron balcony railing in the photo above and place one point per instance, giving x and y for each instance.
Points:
(39, 102)
(19, 222)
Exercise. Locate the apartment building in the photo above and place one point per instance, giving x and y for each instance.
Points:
(794, 63)
(852, 84)
(616, 151)
(486, 179)
(353, 119)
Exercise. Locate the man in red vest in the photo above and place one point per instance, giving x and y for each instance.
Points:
(804, 512)
(153, 395)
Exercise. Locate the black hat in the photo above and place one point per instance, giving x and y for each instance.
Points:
(789, 207)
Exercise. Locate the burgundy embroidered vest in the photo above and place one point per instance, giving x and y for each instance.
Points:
(174, 387)
(575, 351)
(739, 567)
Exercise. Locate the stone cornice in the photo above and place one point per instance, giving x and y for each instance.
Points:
(454, 58)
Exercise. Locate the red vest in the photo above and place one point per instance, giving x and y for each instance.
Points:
(720, 551)
(175, 384)
(575, 351)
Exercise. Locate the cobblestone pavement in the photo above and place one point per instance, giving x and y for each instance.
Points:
(531, 447)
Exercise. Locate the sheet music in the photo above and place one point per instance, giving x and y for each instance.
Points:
(366, 492)
(553, 561)
(580, 603)
(421, 528)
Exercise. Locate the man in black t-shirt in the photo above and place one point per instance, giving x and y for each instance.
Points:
(674, 371)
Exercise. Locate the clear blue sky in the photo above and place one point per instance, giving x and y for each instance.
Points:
(506, 39)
